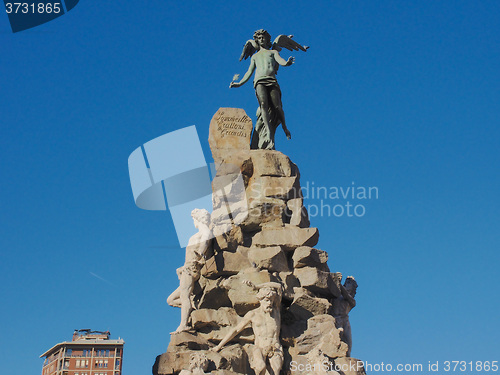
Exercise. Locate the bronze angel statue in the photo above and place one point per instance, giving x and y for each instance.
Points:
(265, 62)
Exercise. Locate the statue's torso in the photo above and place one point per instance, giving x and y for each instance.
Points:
(265, 64)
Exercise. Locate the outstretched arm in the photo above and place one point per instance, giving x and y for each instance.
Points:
(230, 335)
(247, 75)
(280, 60)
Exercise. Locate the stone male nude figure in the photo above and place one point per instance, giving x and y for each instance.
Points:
(190, 273)
(265, 322)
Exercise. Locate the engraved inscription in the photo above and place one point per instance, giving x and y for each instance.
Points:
(232, 125)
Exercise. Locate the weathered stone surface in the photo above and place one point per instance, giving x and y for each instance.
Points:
(214, 324)
(228, 188)
(274, 187)
(304, 306)
(230, 130)
(222, 317)
(214, 294)
(187, 340)
(243, 297)
(264, 212)
(306, 256)
(322, 335)
(229, 239)
(346, 365)
(225, 263)
(288, 237)
(317, 281)
(297, 213)
(271, 163)
(289, 282)
(270, 258)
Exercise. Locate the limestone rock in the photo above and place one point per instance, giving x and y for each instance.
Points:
(297, 213)
(230, 130)
(289, 282)
(263, 212)
(222, 317)
(274, 187)
(272, 163)
(304, 306)
(187, 340)
(243, 297)
(305, 256)
(288, 237)
(317, 281)
(350, 366)
(214, 294)
(225, 263)
(271, 258)
(322, 335)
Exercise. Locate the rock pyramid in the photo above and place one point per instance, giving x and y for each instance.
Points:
(262, 236)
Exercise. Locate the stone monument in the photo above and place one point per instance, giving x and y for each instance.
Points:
(258, 297)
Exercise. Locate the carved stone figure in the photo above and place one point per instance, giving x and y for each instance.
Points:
(341, 308)
(188, 274)
(198, 364)
(265, 64)
(265, 321)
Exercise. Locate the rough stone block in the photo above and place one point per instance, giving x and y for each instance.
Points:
(274, 187)
(321, 334)
(270, 258)
(297, 213)
(289, 237)
(243, 297)
(346, 365)
(271, 163)
(289, 282)
(305, 306)
(317, 281)
(306, 256)
(222, 317)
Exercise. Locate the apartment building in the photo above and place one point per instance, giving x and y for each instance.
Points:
(88, 353)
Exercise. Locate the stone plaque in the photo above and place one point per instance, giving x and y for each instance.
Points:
(230, 130)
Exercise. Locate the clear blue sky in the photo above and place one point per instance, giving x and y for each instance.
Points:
(401, 95)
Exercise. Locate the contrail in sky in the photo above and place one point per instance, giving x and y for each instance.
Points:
(101, 278)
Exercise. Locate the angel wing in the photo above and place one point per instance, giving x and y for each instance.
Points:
(249, 49)
(286, 41)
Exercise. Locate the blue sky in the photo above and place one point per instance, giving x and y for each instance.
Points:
(401, 95)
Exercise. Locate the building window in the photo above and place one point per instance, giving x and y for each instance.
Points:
(69, 352)
(106, 363)
(117, 363)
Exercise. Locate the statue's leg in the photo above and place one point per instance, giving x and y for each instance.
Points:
(276, 362)
(175, 298)
(348, 337)
(186, 289)
(258, 362)
(277, 105)
(263, 98)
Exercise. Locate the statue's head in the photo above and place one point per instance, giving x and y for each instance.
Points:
(351, 285)
(200, 216)
(269, 295)
(263, 38)
(198, 361)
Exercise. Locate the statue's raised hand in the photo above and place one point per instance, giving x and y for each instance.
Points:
(290, 61)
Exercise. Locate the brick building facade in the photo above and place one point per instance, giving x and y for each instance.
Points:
(88, 353)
